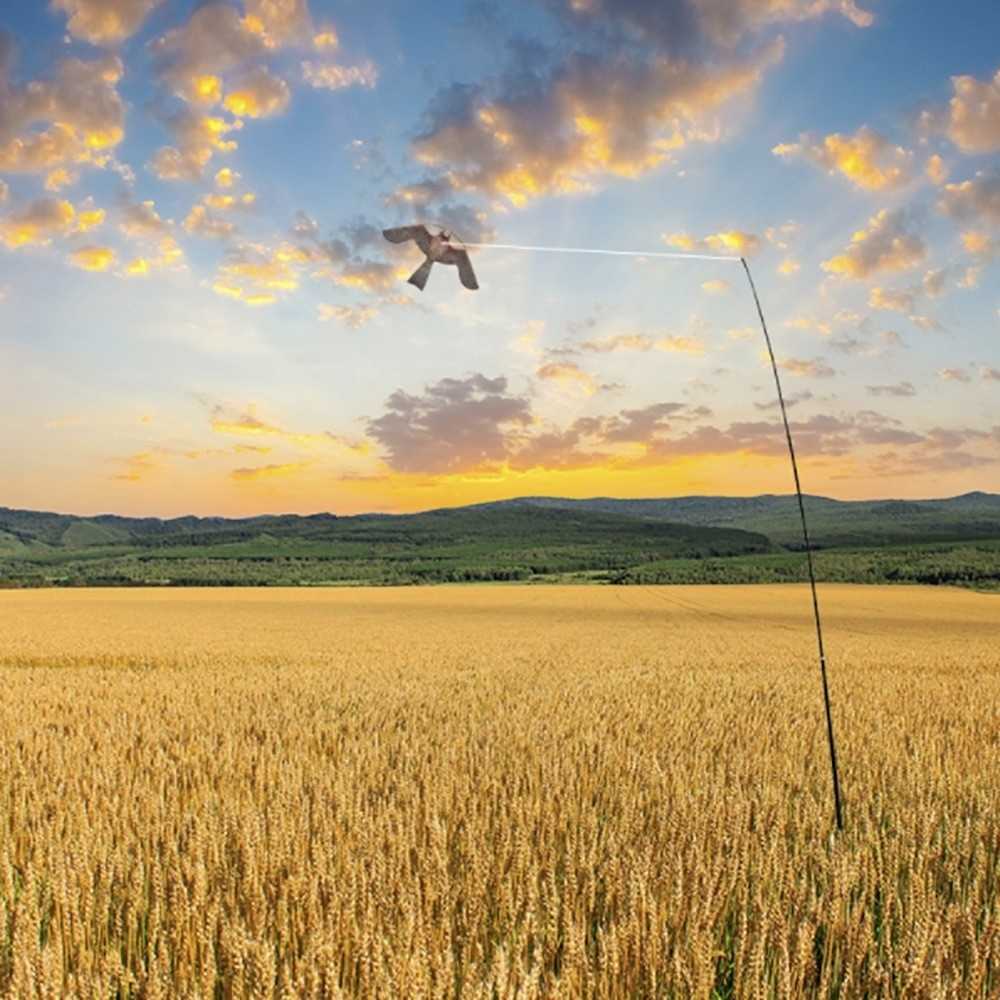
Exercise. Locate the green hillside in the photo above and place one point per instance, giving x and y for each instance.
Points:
(683, 539)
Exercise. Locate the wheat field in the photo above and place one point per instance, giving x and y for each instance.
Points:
(493, 792)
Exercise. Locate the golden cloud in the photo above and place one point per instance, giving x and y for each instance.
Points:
(259, 95)
(105, 22)
(643, 342)
(594, 117)
(168, 255)
(201, 222)
(568, 374)
(142, 220)
(936, 169)
(138, 467)
(814, 368)
(80, 111)
(867, 159)
(979, 244)
(788, 267)
(198, 138)
(268, 471)
(978, 198)
(93, 258)
(886, 245)
(37, 223)
(730, 241)
(326, 40)
(899, 300)
(352, 316)
(974, 114)
(226, 177)
(716, 286)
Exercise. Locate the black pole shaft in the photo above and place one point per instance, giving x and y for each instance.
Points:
(809, 558)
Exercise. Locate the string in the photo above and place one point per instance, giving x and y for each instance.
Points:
(612, 253)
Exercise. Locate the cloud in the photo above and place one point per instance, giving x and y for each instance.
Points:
(333, 76)
(867, 159)
(979, 244)
(814, 368)
(198, 137)
(258, 95)
(900, 300)
(354, 317)
(191, 58)
(788, 267)
(989, 374)
(142, 220)
(166, 254)
(93, 258)
(226, 177)
(933, 282)
(729, 241)
(588, 118)
(791, 400)
(896, 389)
(672, 25)
(246, 423)
(972, 118)
(936, 169)
(139, 466)
(888, 244)
(716, 286)
(37, 223)
(104, 22)
(456, 425)
(643, 342)
(280, 471)
(201, 222)
(80, 114)
(254, 273)
(568, 374)
(977, 199)
(954, 375)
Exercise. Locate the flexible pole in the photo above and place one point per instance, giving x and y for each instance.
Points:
(809, 558)
(791, 452)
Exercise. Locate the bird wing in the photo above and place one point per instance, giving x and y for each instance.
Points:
(403, 233)
(465, 273)
(421, 274)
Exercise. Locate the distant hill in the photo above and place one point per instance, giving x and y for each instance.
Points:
(831, 522)
(464, 543)
(680, 539)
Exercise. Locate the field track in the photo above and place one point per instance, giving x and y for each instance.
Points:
(498, 791)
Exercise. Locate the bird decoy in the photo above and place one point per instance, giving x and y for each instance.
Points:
(439, 248)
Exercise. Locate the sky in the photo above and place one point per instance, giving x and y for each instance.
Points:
(199, 314)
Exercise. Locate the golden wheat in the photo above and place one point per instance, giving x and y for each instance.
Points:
(497, 792)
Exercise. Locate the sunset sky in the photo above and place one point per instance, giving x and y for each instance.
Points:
(198, 312)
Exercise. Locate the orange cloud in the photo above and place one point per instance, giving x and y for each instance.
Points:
(729, 241)
(594, 118)
(886, 245)
(867, 159)
(37, 223)
(80, 111)
(259, 95)
(93, 258)
(105, 22)
(268, 471)
(568, 374)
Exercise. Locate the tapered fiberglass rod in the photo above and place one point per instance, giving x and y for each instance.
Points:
(809, 558)
(791, 453)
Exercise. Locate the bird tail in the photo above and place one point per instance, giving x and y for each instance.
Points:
(421, 274)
